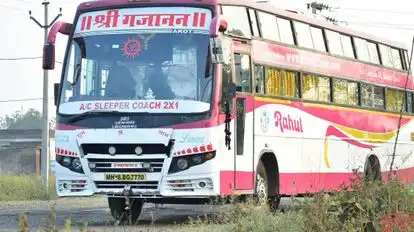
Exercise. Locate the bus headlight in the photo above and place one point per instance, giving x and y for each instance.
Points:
(197, 159)
(76, 164)
(72, 163)
(182, 163)
(66, 161)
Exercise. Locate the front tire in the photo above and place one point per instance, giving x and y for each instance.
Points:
(120, 214)
(262, 189)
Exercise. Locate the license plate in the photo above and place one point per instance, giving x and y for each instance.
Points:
(130, 177)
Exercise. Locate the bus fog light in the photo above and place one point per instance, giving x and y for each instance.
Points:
(66, 160)
(76, 164)
(202, 184)
(182, 163)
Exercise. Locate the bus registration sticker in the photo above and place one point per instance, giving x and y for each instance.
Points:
(124, 176)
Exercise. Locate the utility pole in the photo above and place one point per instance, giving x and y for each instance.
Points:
(44, 157)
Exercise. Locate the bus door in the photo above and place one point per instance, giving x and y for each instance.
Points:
(243, 121)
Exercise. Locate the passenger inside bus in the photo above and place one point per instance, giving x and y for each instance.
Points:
(156, 81)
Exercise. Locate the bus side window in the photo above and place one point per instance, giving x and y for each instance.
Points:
(243, 76)
(226, 71)
(260, 80)
(409, 102)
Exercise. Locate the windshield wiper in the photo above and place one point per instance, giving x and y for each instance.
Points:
(92, 113)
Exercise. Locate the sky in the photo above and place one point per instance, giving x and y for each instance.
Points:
(22, 80)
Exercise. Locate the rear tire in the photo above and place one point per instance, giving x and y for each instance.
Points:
(262, 189)
(372, 170)
(120, 214)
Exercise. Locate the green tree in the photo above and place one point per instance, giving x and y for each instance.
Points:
(31, 119)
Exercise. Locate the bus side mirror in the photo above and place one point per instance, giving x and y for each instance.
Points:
(223, 25)
(49, 56)
(56, 92)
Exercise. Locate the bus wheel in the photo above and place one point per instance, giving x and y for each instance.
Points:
(119, 213)
(261, 191)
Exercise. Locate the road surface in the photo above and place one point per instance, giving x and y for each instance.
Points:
(95, 212)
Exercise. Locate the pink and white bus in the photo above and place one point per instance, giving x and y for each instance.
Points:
(183, 101)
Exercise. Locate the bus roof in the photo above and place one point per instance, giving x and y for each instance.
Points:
(271, 8)
(267, 7)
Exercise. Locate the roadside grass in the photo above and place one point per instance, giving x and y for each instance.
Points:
(359, 210)
(25, 188)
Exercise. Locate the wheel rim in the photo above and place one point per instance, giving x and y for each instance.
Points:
(261, 189)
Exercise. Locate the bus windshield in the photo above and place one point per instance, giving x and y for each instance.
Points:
(139, 60)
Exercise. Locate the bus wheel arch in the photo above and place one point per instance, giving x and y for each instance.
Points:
(268, 169)
(372, 169)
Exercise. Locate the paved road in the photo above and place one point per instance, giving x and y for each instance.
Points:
(95, 212)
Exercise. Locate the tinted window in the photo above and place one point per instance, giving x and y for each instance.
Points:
(315, 88)
(324, 89)
(409, 102)
(372, 96)
(334, 43)
(253, 23)
(226, 69)
(290, 83)
(396, 58)
(268, 26)
(394, 99)
(373, 53)
(282, 83)
(243, 80)
(386, 56)
(260, 79)
(347, 46)
(285, 31)
(362, 49)
(317, 38)
(238, 21)
(303, 35)
(345, 92)
(273, 81)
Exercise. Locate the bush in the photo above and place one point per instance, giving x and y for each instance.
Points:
(359, 207)
(25, 187)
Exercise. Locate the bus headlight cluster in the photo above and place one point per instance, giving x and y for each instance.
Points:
(72, 163)
(182, 163)
(179, 164)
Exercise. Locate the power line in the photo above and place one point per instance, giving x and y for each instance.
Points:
(401, 111)
(385, 26)
(378, 11)
(12, 8)
(22, 99)
(26, 58)
(383, 23)
(21, 58)
(54, 1)
(25, 1)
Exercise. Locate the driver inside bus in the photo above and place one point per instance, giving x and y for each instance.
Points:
(120, 83)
